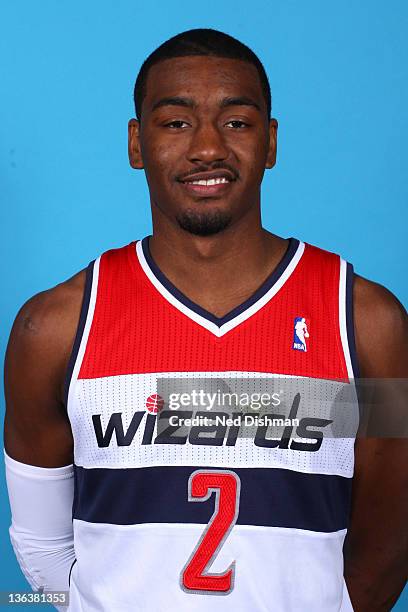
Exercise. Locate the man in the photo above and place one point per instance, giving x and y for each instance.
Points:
(210, 295)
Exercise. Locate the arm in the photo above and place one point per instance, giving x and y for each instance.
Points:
(376, 547)
(37, 434)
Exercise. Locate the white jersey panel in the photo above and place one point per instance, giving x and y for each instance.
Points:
(289, 582)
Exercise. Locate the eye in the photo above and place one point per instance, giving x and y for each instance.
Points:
(177, 124)
(237, 124)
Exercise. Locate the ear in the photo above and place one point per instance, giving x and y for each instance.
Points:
(273, 134)
(134, 151)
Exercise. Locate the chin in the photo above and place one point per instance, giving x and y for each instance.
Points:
(204, 223)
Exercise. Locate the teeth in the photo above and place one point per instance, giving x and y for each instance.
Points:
(214, 181)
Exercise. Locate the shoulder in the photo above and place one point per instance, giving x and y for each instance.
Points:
(381, 330)
(54, 312)
(44, 329)
(370, 296)
(45, 311)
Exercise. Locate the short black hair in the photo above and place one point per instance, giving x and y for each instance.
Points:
(200, 41)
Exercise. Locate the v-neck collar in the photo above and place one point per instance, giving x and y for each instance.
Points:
(220, 325)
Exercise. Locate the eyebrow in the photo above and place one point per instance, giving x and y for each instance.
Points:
(189, 102)
(174, 101)
(240, 101)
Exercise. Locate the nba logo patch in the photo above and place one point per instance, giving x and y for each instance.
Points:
(300, 334)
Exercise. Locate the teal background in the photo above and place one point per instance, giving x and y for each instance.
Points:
(339, 78)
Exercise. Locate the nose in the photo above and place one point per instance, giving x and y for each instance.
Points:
(207, 144)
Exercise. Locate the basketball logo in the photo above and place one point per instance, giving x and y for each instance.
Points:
(154, 403)
(300, 334)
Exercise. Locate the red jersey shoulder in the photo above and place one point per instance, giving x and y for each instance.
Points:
(116, 255)
(317, 256)
(118, 264)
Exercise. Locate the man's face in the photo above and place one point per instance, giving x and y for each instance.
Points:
(204, 141)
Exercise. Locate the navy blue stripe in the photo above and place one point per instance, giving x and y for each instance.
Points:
(219, 321)
(350, 320)
(269, 497)
(80, 329)
(70, 572)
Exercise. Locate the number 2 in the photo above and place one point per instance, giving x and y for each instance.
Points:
(226, 485)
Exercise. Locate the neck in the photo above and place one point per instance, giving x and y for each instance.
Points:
(221, 271)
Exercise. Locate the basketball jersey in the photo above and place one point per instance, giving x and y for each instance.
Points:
(175, 513)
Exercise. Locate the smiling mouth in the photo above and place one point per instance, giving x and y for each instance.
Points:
(207, 188)
(206, 185)
(208, 182)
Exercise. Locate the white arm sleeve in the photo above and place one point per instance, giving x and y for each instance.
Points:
(41, 528)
